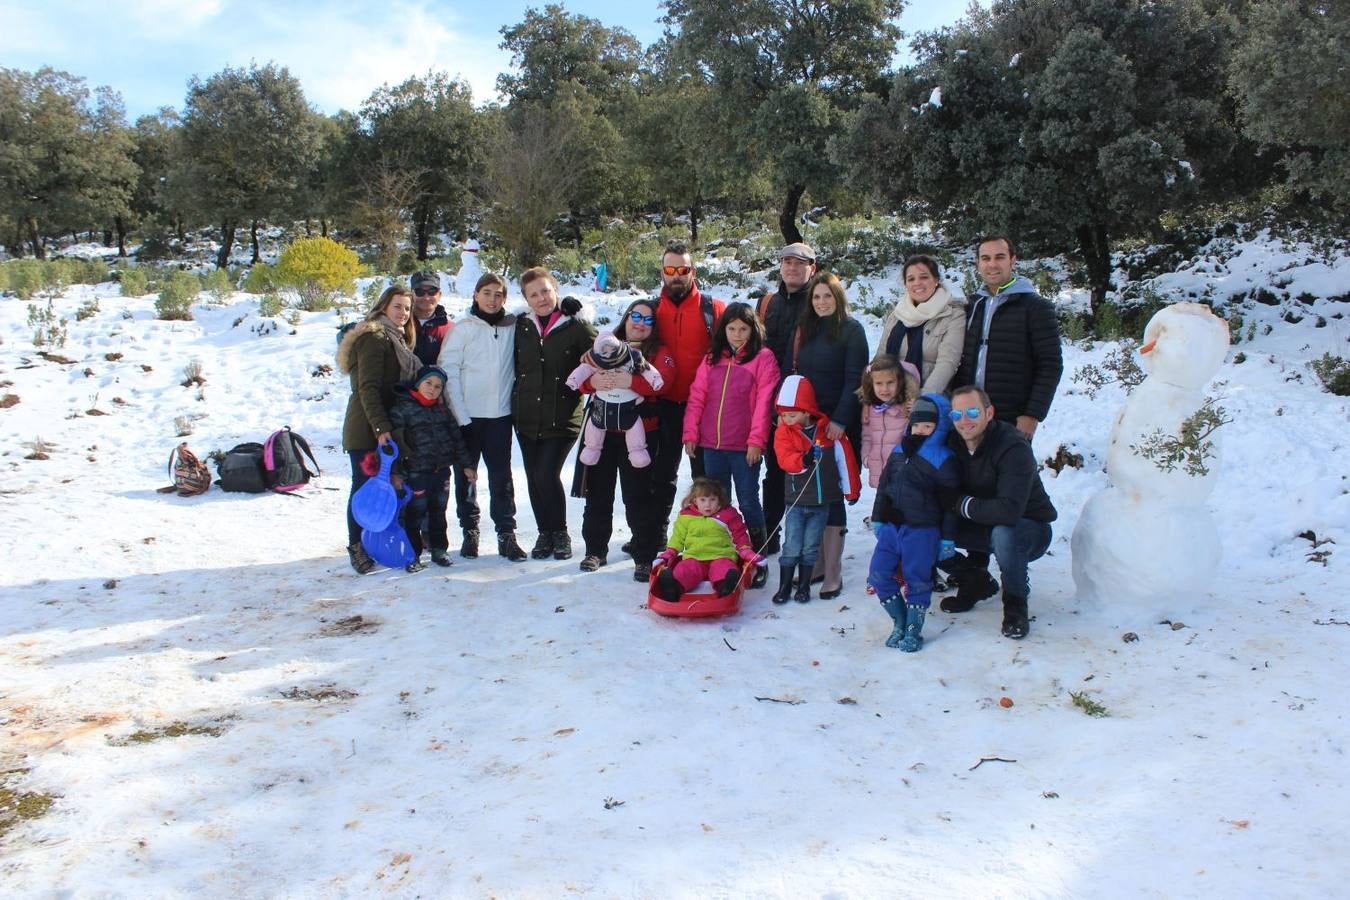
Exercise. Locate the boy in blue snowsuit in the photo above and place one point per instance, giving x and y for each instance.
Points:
(913, 530)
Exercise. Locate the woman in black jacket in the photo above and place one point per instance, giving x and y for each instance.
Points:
(830, 350)
(546, 412)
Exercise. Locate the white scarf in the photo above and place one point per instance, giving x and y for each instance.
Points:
(911, 315)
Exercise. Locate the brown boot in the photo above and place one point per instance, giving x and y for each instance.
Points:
(831, 562)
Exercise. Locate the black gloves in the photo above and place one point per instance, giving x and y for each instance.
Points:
(570, 306)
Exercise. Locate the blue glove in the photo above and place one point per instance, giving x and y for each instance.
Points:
(876, 528)
(946, 550)
(817, 452)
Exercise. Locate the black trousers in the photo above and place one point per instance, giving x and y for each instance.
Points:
(489, 440)
(666, 461)
(544, 458)
(597, 521)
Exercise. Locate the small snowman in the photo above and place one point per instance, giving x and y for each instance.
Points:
(1147, 535)
(469, 268)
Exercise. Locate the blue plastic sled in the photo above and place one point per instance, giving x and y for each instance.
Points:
(375, 504)
(390, 547)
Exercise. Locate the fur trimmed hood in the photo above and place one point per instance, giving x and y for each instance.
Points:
(354, 334)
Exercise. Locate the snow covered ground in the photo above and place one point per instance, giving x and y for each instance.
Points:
(530, 731)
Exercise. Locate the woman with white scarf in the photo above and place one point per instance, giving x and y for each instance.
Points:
(377, 354)
(927, 326)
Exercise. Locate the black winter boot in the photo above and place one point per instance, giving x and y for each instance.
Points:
(728, 583)
(667, 587)
(562, 545)
(469, 549)
(1015, 623)
(360, 559)
(759, 539)
(507, 548)
(972, 586)
(784, 592)
(543, 548)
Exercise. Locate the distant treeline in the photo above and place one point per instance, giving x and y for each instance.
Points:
(1069, 123)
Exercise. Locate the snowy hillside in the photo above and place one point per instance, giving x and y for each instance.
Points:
(215, 705)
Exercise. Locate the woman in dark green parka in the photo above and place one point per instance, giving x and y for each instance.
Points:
(550, 342)
(377, 354)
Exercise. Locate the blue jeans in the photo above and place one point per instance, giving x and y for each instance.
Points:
(489, 440)
(1014, 547)
(730, 467)
(914, 550)
(801, 535)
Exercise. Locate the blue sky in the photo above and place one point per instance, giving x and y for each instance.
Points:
(341, 50)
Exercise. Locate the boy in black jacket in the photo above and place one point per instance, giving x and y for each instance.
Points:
(429, 442)
(913, 531)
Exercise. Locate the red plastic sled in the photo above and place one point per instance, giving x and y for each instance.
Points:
(700, 604)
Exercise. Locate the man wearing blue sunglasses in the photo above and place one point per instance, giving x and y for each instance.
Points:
(1003, 506)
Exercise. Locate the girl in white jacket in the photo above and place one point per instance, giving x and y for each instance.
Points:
(478, 357)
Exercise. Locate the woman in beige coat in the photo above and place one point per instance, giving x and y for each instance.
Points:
(928, 326)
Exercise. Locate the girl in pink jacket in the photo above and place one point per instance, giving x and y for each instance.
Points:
(730, 404)
(888, 389)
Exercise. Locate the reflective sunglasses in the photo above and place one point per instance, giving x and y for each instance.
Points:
(427, 291)
(677, 270)
(972, 412)
(638, 318)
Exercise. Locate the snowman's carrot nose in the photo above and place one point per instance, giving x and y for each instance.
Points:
(1149, 346)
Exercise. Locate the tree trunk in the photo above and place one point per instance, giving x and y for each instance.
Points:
(16, 248)
(253, 234)
(121, 225)
(574, 217)
(787, 216)
(323, 226)
(693, 223)
(107, 237)
(1095, 246)
(180, 230)
(423, 224)
(39, 251)
(309, 227)
(226, 244)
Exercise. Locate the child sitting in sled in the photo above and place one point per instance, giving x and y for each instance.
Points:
(711, 542)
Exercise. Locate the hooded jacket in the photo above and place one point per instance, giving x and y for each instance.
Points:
(428, 437)
(731, 402)
(368, 356)
(882, 429)
(1012, 350)
(909, 492)
(817, 471)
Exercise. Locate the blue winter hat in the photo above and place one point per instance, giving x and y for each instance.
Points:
(428, 372)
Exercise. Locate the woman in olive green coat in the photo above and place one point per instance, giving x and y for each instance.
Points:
(377, 354)
(550, 342)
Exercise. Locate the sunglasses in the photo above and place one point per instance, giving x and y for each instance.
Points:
(638, 318)
(677, 270)
(973, 412)
(427, 291)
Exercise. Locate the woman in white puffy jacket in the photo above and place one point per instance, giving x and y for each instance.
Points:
(478, 357)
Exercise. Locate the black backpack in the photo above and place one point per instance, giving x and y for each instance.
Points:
(241, 469)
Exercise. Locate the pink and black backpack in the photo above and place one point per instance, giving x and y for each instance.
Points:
(283, 461)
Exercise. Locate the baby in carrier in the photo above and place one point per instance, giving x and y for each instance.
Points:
(614, 409)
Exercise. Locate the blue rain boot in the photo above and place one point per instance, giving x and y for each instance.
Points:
(895, 608)
(913, 639)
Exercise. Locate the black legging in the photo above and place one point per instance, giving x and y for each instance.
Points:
(597, 521)
(544, 458)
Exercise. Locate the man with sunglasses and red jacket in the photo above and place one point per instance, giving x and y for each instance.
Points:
(685, 320)
(429, 317)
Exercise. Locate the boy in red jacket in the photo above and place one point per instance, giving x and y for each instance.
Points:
(817, 472)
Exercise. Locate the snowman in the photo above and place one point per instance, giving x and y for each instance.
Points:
(469, 268)
(1147, 535)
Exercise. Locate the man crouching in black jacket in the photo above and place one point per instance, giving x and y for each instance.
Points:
(1002, 504)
